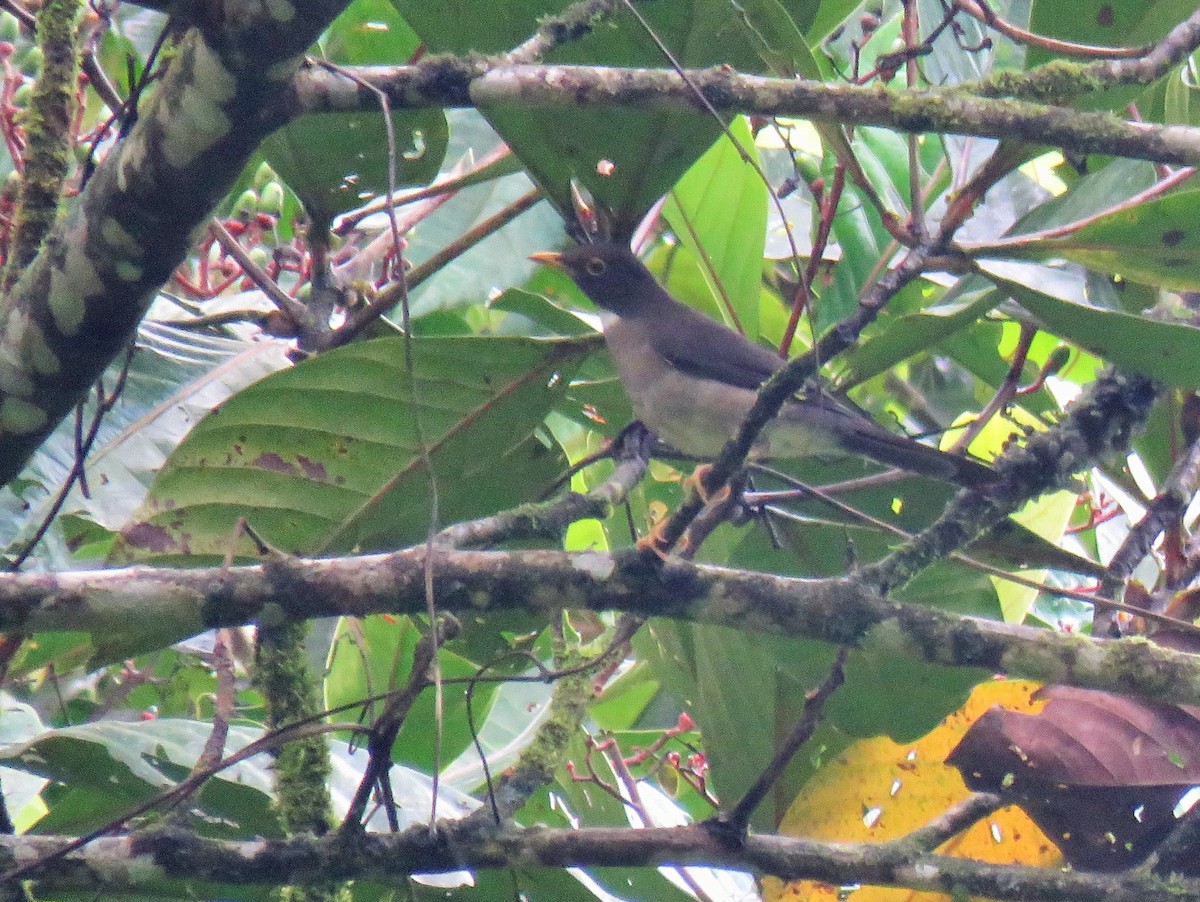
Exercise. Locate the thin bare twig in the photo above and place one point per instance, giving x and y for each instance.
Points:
(814, 709)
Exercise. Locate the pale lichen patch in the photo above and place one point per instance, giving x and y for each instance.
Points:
(13, 380)
(281, 10)
(195, 127)
(31, 338)
(20, 416)
(210, 75)
(284, 70)
(66, 306)
(126, 271)
(142, 868)
(114, 235)
(133, 156)
(594, 564)
(71, 284)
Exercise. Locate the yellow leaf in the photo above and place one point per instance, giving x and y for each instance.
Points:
(878, 790)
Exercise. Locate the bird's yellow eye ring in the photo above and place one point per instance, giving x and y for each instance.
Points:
(595, 266)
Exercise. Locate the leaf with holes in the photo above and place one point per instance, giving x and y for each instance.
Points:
(325, 457)
(1102, 774)
(626, 156)
(1156, 242)
(338, 161)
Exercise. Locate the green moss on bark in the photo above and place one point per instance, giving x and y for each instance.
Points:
(302, 766)
(48, 138)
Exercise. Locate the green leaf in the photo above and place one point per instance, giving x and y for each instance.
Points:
(103, 769)
(458, 26)
(648, 153)
(517, 712)
(741, 717)
(99, 771)
(1181, 102)
(648, 149)
(338, 161)
(820, 19)
(625, 699)
(1049, 516)
(777, 38)
(369, 32)
(1156, 242)
(718, 211)
(370, 655)
(324, 456)
(1166, 351)
(970, 298)
(890, 691)
(1105, 23)
(539, 314)
(1090, 196)
(860, 235)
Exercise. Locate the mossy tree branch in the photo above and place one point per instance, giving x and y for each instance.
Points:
(49, 141)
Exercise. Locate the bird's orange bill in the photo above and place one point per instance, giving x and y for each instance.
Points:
(550, 258)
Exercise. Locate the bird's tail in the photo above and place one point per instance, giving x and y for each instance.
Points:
(898, 451)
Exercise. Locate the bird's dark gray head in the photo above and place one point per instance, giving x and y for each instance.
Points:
(610, 275)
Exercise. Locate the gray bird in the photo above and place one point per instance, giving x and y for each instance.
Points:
(692, 380)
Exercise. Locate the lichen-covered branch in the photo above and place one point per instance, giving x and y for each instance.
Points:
(302, 765)
(180, 603)
(1099, 425)
(447, 81)
(76, 305)
(144, 860)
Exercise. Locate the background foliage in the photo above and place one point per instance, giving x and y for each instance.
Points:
(1064, 266)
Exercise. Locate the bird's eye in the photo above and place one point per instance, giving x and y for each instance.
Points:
(595, 266)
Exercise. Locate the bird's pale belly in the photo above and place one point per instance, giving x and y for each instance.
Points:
(699, 416)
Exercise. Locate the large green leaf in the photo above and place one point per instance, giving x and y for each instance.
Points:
(99, 771)
(775, 30)
(1090, 196)
(906, 336)
(369, 32)
(1156, 242)
(371, 655)
(718, 211)
(335, 162)
(338, 161)
(173, 380)
(1166, 351)
(627, 158)
(324, 456)
(1105, 23)
(458, 26)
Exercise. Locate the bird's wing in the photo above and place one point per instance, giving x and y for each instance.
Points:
(703, 348)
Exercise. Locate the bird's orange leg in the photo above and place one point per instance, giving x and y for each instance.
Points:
(717, 508)
(697, 482)
(656, 541)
